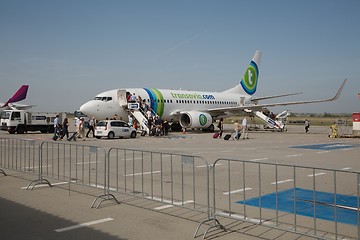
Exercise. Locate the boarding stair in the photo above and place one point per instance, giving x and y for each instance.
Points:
(277, 123)
(135, 110)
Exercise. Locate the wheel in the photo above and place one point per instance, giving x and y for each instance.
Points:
(21, 130)
(133, 134)
(111, 135)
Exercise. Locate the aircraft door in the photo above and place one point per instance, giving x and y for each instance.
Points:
(242, 101)
(121, 96)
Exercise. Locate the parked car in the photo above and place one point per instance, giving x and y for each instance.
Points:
(114, 129)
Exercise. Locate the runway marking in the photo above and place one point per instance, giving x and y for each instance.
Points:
(83, 225)
(294, 155)
(345, 149)
(145, 173)
(163, 207)
(169, 203)
(258, 159)
(346, 206)
(236, 191)
(241, 217)
(323, 152)
(202, 166)
(36, 167)
(90, 162)
(347, 168)
(316, 174)
(284, 181)
(46, 185)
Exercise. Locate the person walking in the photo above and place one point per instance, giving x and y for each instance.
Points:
(236, 130)
(81, 130)
(65, 129)
(221, 127)
(56, 126)
(244, 129)
(307, 125)
(92, 125)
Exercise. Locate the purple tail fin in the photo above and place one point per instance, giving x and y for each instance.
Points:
(19, 95)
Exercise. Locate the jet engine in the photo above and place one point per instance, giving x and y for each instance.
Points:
(195, 119)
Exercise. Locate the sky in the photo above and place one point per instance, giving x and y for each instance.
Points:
(69, 51)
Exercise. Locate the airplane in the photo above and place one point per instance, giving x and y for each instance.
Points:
(191, 109)
(18, 96)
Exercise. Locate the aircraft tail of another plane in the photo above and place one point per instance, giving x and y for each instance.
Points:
(249, 81)
(18, 96)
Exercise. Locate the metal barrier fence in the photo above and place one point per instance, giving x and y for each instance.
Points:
(20, 155)
(173, 179)
(316, 202)
(74, 163)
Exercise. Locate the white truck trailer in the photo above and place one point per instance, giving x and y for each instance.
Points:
(22, 121)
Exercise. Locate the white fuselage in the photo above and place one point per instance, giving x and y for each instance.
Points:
(165, 102)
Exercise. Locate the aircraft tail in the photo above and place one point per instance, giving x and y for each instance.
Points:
(249, 80)
(18, 96)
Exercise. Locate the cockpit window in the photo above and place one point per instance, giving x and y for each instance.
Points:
(104, 99)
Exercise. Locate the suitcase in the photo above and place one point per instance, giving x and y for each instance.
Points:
(216, 135)
(55, 137)
(238, 136)
(73, 137)
(227, 137)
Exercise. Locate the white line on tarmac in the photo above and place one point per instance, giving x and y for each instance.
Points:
(284, 181)
(236, 191)
(46, 185)
(145, 173)
(36, 167)
(316, 174)
(163, 207)
(202, 166)
(87, 162)
(295, 155)
(346, 149)
(84, 225)
(258, 159)
(323, 152)
(347, 168)
(169, 203)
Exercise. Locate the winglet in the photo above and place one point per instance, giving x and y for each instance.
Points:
(337, 95)
(19, 95)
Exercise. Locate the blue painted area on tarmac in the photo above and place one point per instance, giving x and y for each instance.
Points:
(327, 146)
(346, 205)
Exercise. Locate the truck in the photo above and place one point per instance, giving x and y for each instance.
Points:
(22, 121)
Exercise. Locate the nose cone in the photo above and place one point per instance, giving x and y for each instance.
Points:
(88, 108)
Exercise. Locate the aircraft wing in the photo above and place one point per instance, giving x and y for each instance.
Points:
(20, 106)
(253, 107)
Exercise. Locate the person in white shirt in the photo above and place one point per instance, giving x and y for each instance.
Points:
(56, 125)
(244, 129)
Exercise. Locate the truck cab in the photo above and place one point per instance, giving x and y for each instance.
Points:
(21, 121)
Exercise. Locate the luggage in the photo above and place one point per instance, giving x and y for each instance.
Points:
(55, 137)
(238, 136)
(73, 137)
(227, 137)
(216, 135)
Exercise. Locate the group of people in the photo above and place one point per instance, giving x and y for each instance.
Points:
(240, 131)
(62, 130)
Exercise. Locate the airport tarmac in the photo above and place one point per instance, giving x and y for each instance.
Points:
(63, 212)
